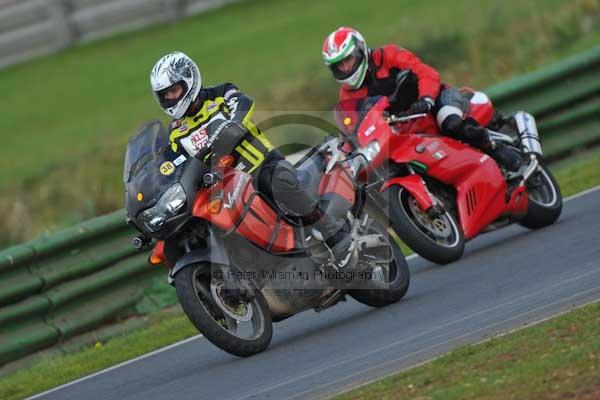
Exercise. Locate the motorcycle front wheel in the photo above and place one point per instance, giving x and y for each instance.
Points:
(438, 239)
(243, 329)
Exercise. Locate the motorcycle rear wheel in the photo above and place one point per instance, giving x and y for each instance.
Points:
(545, 200)
(197, 298)
(393, 283)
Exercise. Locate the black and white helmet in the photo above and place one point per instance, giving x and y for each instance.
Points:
(175, 69)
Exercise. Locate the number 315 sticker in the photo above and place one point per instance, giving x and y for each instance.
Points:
(167, 168)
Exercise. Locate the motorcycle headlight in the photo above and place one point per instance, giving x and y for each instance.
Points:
(371, 150)
(167, 206)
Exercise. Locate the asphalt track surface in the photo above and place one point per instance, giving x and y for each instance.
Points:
(507, 279)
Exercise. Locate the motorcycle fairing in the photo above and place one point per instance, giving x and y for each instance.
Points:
(477, 178)
(415, 186)
(245, 211)
(213, 253)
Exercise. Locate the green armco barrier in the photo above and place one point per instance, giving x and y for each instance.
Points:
(17, 255)
(564, 98)
(18, 284)
(70, 282)
(554, 98)
(114, 274)
(89, 313)
(86, 230)
(34, 305)
(588, 112)
(24, 338)
(62, 284)
(526, 84)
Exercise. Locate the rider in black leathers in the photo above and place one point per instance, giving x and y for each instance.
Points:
(215, 122)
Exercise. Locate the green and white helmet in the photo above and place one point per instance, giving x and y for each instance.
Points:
(345, 52)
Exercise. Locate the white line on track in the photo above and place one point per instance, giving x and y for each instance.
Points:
(433, 333)
(116, 366)
(454, 339)
(410, 257)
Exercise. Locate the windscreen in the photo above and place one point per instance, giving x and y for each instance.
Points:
(151, 167)
(150, 141)
(349, 113)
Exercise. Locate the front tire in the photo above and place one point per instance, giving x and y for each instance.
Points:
(197, 297)
(439, 240)
(545, 200)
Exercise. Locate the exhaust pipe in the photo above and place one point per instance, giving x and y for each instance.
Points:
(529, 137)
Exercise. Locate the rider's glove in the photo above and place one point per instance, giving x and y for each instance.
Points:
(423, 105)
(478, 136)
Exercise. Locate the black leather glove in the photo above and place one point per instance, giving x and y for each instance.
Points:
(423, 105)
(478, 136)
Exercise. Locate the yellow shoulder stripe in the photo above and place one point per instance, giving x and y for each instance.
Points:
(208, 108)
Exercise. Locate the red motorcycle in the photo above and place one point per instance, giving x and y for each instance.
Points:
(209, 222)
(441, 192)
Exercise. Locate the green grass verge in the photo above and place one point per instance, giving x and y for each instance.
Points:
(579, 172)
(53, 371)
(71, 113)
(557, 359)
(486, 370)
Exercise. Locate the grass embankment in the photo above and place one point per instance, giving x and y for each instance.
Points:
(70, 114)
(556, 357)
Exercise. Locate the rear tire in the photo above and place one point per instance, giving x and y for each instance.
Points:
(193, 289)
(545, 200)
(440, 240)
(398, 277)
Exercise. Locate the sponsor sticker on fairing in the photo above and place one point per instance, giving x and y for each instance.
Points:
(232, 196)
(438, 155)
(179, 160)
(370, 130)
(167, 168)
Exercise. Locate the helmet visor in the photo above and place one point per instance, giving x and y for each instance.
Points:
(170, 96)
(344, 68)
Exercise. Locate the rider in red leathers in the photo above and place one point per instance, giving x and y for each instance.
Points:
(418, 89)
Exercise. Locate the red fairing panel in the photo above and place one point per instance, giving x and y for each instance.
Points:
(259, 226)
(479, 182)
(259, 223)
(480, 197)
(415, 186)
(519, 202)
(339, 183)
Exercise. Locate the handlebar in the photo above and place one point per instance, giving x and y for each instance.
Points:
(394, 119)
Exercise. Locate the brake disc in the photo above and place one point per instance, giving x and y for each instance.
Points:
(242, 313)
